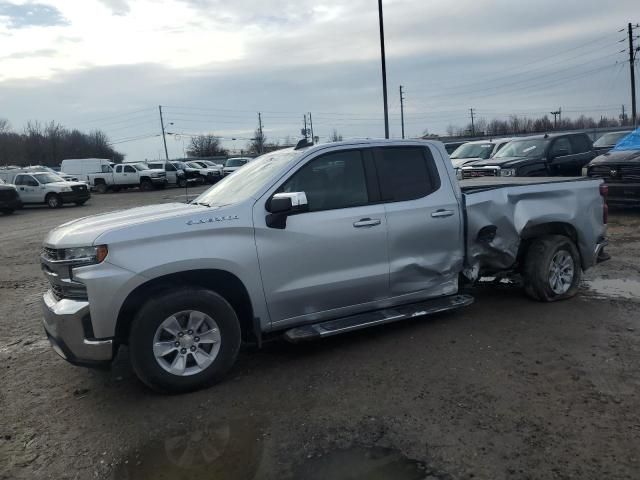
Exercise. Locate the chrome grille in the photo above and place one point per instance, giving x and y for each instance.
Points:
(79, 188)
(71, 291)
(616, 173)
(471, 172)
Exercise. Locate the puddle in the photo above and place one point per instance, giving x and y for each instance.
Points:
(614, 288)
(358, 463)
(222, 451)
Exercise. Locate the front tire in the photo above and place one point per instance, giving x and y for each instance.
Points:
(54, 200)
(552, 269)
(146, 185)
(184, 340)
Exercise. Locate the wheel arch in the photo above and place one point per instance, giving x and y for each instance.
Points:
(532, 232)
(222, 282)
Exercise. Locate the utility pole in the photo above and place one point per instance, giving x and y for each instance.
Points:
(555, 118)
(313, 139)
(560, 116)
(164, 138)
(261, 144)
(384, 71)
(473, 128)
(633, 76)
(402, 110)
(304, 131)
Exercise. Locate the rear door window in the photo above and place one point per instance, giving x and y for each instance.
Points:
(406, 173)
(580, 143)
(561, 147)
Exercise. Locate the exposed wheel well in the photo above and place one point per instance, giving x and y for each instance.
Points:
(144, 179)
(220, 281)
(551, 228)
(96, 181)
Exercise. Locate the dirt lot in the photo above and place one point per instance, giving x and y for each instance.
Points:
(507, 388)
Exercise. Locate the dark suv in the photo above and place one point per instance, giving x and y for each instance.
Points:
(553, 154)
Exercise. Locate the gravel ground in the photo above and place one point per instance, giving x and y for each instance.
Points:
(506, 388)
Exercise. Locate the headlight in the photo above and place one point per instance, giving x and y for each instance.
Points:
(95, 254)
(66, 189)
(508, 172)
(585, 171)
(458, 174)
(154, 174)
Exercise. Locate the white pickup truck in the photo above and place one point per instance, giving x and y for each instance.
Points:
(42, 187)
(127, 175)
(306, 243)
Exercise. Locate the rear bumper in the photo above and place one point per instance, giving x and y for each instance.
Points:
(64, 323)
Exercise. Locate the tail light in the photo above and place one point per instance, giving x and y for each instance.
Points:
(604, 192)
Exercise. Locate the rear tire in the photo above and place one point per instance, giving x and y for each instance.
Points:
(552, 269)
(53, 200)
(101, 188)
(150, 334)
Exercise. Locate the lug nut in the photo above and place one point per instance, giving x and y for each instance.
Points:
(190, 332)
(177, 344)
(196, 339)
(183, 351)
(193, 348)
(181, 334)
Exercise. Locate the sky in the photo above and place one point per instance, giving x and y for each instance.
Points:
(214, 64)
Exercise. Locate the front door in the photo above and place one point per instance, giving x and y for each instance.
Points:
(424, 223)
(332, 260)
(29, 189)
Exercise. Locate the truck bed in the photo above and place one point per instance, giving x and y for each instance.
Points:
(501, 212)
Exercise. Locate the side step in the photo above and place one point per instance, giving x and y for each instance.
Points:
(377, 317)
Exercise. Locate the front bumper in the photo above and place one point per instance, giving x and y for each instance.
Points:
(79, 196)
(159, 180)
(66, 323)
(623, 193)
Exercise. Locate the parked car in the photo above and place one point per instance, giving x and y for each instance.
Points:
(9, 198)
(620, 170)
(306, 243)
(127, 175)
(233, 164)
(174, 175)
(607, 141)
(471, 152)
(82, 167)
(45, 188)
(192, 174)
(208, 174)
(553, 154)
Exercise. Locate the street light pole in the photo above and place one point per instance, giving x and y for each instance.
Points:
(384, 71)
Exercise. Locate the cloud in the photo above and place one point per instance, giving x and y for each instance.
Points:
(31, 15)
(44, 52)
(118, 7)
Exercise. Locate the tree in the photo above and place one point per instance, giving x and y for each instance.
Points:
(335, 136)
(5, 126)
(257, 143)
(205, 146)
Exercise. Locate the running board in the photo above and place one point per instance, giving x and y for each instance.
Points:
(377, 317)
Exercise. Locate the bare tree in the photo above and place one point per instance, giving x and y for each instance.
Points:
(205, 146)
(335, 136)
(5, 126)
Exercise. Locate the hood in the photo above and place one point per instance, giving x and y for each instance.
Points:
(459, 162)
(66, 184)
(621, 156)
(84, 231)
(503, 162)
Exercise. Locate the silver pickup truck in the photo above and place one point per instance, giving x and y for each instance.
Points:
(304, 243)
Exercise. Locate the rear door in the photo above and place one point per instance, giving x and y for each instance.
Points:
(332, 260)
(424, 224)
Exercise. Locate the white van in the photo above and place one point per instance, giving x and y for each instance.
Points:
(81, 167)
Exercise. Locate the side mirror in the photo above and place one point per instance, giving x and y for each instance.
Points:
(282, 205)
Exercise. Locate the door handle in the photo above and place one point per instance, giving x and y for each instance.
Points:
(367, 222)
(442, 213)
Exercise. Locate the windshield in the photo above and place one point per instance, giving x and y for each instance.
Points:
(523, 148)
(179, 165)
(235, 162)
(246, 182)
(473, 150)
(609, 139)
(47, 178)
